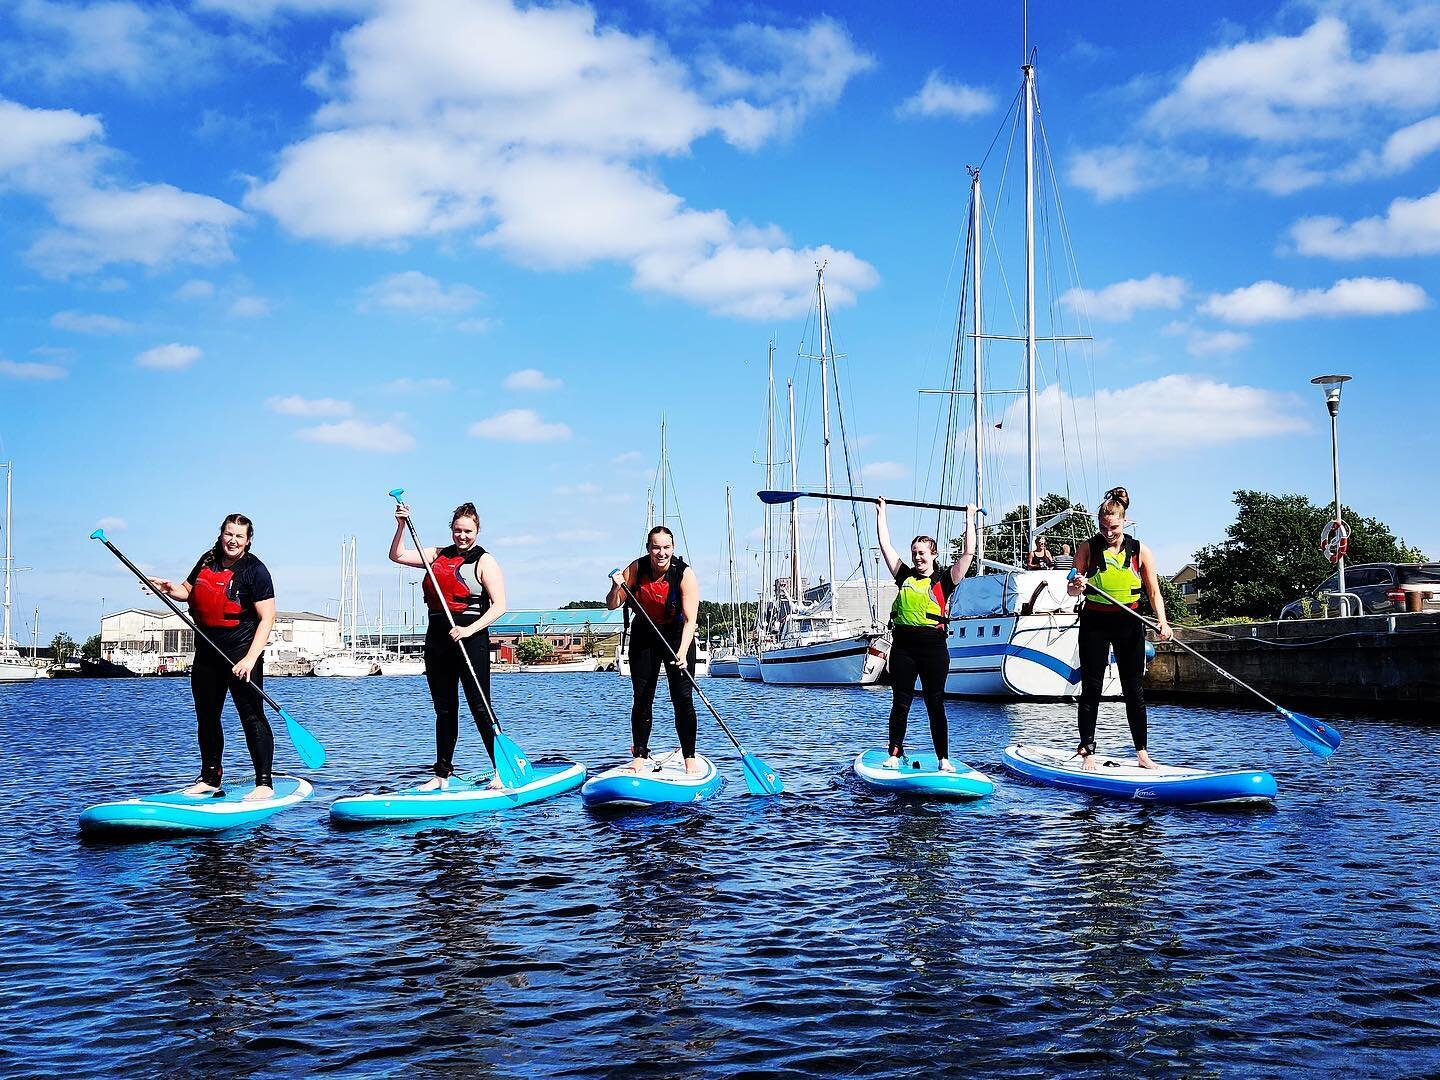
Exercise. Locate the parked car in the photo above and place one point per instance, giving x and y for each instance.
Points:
(1376, 585)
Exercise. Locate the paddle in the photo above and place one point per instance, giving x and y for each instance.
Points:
(760, 778)
(776, 497)
(511, 763)
(306, 745)
(1320, 738)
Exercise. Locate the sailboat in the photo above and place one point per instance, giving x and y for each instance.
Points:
(13, 666)
(725, 660)
(1013, 633)
(348, 662)
(393, 661)
(748, 660)
(664, 484)
(823, 642)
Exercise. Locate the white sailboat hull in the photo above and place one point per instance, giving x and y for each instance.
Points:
(344, 667)
(403, 666)
(585, 663)
(18, 669)
(853, 660)
(1019, 657)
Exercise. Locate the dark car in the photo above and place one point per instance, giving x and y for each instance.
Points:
(1377, 586)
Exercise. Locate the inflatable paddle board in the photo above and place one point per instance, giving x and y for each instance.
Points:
(464, 795)
(173, 811)
(1123, 778)
(665, 782)
(919, 774)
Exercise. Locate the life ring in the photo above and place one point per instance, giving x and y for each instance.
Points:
(1335, 541)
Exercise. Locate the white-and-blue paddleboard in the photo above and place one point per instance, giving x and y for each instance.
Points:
(464, 795)
(919, 774)
(665, 782)
(1124, 778)
(176, 812)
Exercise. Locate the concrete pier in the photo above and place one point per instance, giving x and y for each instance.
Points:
(1385, 663)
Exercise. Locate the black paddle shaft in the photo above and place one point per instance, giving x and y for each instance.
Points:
(170, 603)
(775, 497)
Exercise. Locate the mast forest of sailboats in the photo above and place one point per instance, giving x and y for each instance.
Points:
(13, 666)
(768, 604)
(820, 643)
(1013, 633)
(349, 662)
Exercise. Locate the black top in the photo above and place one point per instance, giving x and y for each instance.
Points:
(249, 585)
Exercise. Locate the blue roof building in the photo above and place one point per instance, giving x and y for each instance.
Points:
(537, 622)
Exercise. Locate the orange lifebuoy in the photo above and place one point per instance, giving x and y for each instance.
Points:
(1335, 541)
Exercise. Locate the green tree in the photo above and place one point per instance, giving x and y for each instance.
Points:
(1177, 609)
(582, 605)
(91, 649)
(589, 640)
(1272, 554)
(716, 618)
(1005, 540)
(533, 650)
(62, 647)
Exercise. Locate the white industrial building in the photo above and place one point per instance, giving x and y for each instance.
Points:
(148, 642)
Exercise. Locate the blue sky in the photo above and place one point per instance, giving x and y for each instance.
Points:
(279, 256)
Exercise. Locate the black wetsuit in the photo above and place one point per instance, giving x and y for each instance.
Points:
(648, 655)
(211, 677)
(924, 652)
(1105, 627)
(445, 668)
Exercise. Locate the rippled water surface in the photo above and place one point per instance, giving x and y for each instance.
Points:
(829, 932)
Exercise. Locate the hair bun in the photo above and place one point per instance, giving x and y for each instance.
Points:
(1120, 495)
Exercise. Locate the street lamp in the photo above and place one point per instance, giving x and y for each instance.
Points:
(1331, 385)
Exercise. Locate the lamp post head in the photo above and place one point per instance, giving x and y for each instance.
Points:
(1331, 384)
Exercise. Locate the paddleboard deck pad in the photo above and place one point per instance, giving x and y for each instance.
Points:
(176, 812)
(665, 782)
(469, 794)
(919, 774)
(1123, 778)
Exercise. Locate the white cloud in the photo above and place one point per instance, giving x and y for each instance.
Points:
(519, 425)
(880, 471)
(1410, 144)
(258, 11)
(1117, 302)
(170, 357)
(629, 457)
(531, 379)
(1215, 342)
(1409, 227)
(582, 488)
(295, 405)
(1113, 172)
(112, 524)
(195, 289)
(85, 322)
(250, 307)
(407, 385)
(1269, 301)
(384, 438)
(1174, 414)
(940, 97)
(530, 130)
(28, 370)
(419, 294)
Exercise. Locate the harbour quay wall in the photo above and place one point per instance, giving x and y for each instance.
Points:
(1389, 662)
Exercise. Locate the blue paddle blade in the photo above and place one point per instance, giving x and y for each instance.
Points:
(312, 754)
(775, 497)
(1320, 738)
(395, 493)
(99, 534)
(512, 764)
(760, 778)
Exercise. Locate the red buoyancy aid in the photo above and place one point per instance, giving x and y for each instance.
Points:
(659, 598)
(459, 578)
(210, 600)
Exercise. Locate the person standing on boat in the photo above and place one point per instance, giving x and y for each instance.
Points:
(232, 599)
(668, 591)
(1121, 566)
(1039, 557)
(919, 618)
(473, 589)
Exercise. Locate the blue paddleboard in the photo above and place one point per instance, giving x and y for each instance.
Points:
(464, 795)
(919, 774)
(173, 811)
(666, 782)
(1123, 778)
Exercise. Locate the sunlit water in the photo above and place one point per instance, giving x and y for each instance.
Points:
(829, 932)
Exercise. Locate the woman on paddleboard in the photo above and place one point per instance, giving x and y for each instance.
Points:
(919, 618)
(232, 599)
(669, 593)
(473, 589)
(1120, 566)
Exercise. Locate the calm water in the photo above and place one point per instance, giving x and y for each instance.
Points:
(829, 932)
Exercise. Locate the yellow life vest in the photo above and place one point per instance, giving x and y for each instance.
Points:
(1117, 572)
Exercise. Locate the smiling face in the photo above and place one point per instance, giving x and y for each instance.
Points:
(463, 531)
(922, 555)
(234, 539)
(1112, 525)
(660, 546)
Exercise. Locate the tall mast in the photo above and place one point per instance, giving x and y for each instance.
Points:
(1030, 421)
(979, 424)
(795, 596)
(9, 558)
(730, 542)
(825, 350)
(767, 561)
(664, 467)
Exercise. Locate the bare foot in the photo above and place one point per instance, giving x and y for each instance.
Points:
(891, 762)
(640, 764)
(261, 793)
(693, 766)
(945, 765)
(496, 784)
(435, 783)
(200, 787)
(1090, 763)
(1144, 759)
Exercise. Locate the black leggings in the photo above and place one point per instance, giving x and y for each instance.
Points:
(926, 654)
(210, 680)
(1100, 631)
(446, 672)
(647, 657)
